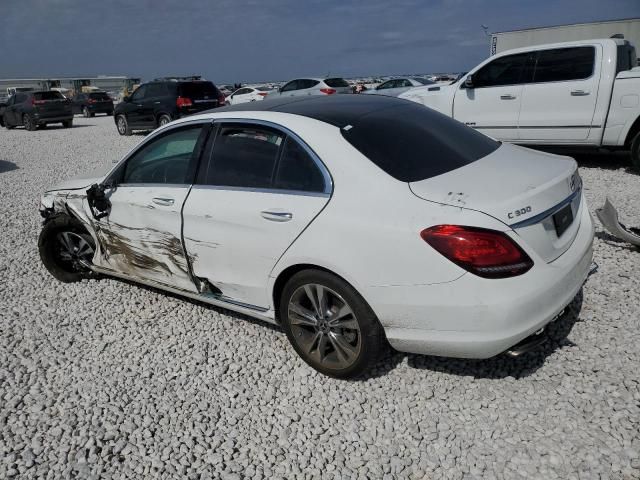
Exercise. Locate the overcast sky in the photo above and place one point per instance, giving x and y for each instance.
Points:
(254, 40)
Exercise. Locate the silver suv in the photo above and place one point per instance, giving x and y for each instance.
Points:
(312, 86)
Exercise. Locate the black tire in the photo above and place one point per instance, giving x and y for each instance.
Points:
(122, 125)
(28, 122)
(42, 126)
(85, 112)
(1, 121)
(163, 120)
(6, 124)
(67, 123)
(635, 153)
(360, 329)
(52, 248)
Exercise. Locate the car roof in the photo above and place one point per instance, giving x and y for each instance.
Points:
(337, 110)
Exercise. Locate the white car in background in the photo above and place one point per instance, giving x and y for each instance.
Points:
(248, 94)
(313, 86)
(350, 220)
(396, 86)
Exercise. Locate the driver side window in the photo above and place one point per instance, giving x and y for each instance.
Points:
(164, 160)
(502, 71)
(138, 95)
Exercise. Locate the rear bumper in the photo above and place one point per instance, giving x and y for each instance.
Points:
(40, 119)
(100, 108)
(473, 317)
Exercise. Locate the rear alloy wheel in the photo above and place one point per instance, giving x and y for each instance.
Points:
(28, 122)
(123, 125)
(66, 249)
(163, 120)
(635, 153)
(329, 324)
(85, 112)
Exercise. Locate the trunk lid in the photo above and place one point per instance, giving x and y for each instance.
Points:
(537, 194)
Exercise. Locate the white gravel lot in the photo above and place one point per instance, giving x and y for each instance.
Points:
(104, 379)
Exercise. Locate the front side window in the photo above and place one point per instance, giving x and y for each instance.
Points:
(164, 160)
(562, 64)
(502, 71)
(139, 94)
(292, 85)
(297, 170)
(244, 157)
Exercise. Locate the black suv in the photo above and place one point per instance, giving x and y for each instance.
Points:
(37, 109)
(88, 104)
(157, 103)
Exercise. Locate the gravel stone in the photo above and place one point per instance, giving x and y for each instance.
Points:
(104, 379)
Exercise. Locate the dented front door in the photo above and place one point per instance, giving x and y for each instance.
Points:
(142, 234)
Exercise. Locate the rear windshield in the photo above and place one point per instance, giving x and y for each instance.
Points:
(99, 96)
(198, 90)
(53, 95)
(264, 89)
(336, 82)
(413, 143)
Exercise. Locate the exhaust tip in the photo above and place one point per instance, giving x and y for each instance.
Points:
(530, 343)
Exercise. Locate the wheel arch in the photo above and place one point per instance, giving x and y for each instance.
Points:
(633, 131)
(287, 273)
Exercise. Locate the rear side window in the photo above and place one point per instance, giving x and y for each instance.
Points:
(297, 170)
(336, 82)
(52, 95)
(198, 90)
(413, 143)
(562, 64)
(244, 157)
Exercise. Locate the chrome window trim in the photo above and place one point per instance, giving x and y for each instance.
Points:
(277, 191)
(326, 175)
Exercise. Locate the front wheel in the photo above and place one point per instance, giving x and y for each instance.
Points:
(635, 153)
(329, 324)
(123, 125)
(66, 249)
(163, 120)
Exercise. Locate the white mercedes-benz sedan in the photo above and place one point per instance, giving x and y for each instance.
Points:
(350, 220)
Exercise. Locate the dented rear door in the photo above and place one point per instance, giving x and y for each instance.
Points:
(142, 235)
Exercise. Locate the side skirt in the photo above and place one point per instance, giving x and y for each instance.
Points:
(215, 300)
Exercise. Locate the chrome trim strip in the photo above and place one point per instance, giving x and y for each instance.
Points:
(328, 180)
(506, 127)
(262, 190)
(541, 216)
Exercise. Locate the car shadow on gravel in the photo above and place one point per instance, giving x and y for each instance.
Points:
(503, 366)
(6, 166)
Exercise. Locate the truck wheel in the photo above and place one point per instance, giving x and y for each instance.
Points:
(123, 125)
(635, 153)
(28, 122)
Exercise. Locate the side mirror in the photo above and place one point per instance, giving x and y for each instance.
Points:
(468, 82)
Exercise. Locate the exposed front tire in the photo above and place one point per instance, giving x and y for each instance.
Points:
(28, 122)
(122, 125)
(67, 123)
(635, 153)
(329, 324)
(66, 248)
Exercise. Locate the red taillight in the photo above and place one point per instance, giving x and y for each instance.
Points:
(263, 94)
(328, 91)
(486, 253)
(183, 102)
(91, 100)
(37, 102)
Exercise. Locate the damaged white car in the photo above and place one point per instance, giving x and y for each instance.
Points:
(351, 221)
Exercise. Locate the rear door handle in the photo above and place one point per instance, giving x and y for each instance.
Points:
(275, 216)
(579, 93)
(507, 97)
(165, 202)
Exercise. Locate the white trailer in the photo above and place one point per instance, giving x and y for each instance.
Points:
(629, 28)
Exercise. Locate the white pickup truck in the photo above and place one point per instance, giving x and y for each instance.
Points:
(577, 94)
